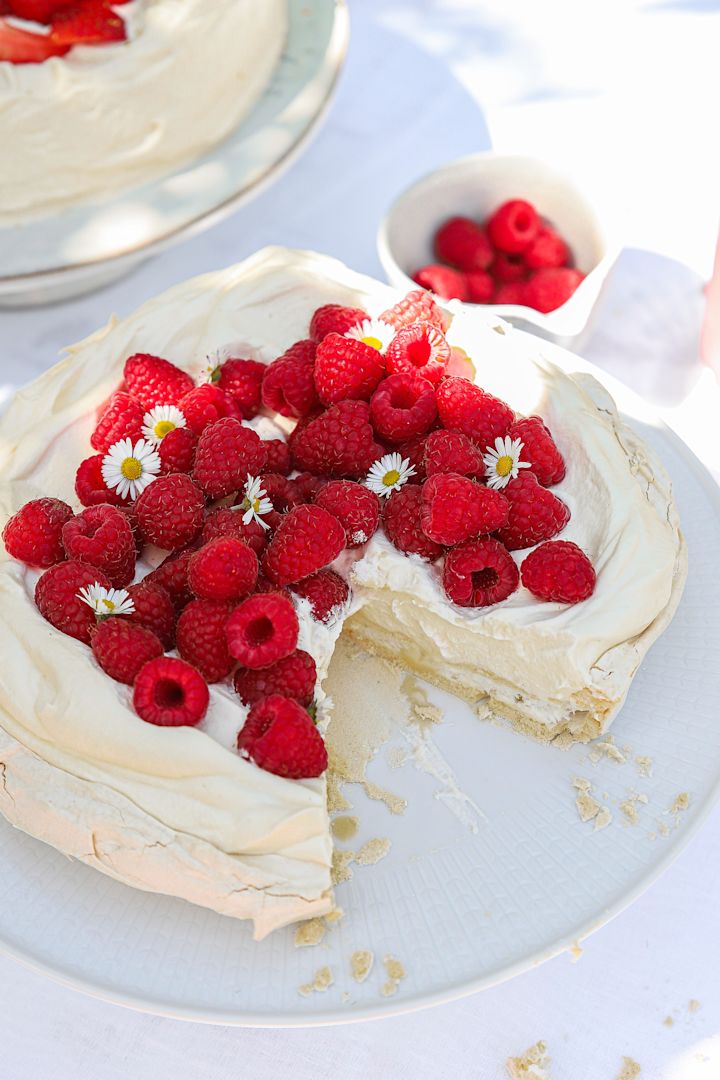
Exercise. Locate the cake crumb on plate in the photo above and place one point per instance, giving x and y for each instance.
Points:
(630, 1069)
(533, 1064)
(322, 980)
(361, 963)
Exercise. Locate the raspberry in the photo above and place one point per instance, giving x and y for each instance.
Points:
(102, 536)
(403, 406)
(307, 486)
(201, 638)
(345, 369)
(419, 349)
(480, 287)
(262, 630)
(466, 408)
(414, 451)
(90, 487)
(121, 648)
(513, 226)
(122, 418)
(479, 573)
(509, 268)
(289, 388)
(463, 244)
(204, 405)
(170, 693)
(513, 292)
(325, 591)
(547, 249)
(154, 609)
(177, 451)
(171, 510)
(242, 380)
(34, 534)
(56, 595)
(560, 571)
(456, 508)
(279, 736)
(334, 319)
(277, 456)
(340, 442)
(227, 453)
(128, 511)
(356, 507)
(306, 540)
(417, 306)
(294, 677)
(402, 523)
(305, 350)
(228, 521)
(224, 569)
(151, 381)
(171, 575)
(550, 289)
(452, 452)
(535, 513)
(539, 449)
(445, 282)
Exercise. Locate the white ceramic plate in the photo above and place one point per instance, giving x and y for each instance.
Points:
(86, 247)
(462, 910)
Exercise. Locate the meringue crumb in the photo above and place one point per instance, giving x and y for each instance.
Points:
(668, 1021)
(310, 932)
(644, 766)
(361, 963)
(344, 827)
(682, 801)
(603, 819)
(663, 829)
(581, 783)
(396, 973)
(531, 1065)
(694, 1005)
(587, 807)
(607, 748)
(334, 916)
(630, 1069)
(335, 798)
(629, 806)
(341, 861)
(576, 950)
(322, 980)
(373, 851)
(394, 803)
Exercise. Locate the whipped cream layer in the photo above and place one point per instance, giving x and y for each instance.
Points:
(106, 118)
(83, 772)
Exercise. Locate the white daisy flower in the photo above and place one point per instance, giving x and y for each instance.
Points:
(373, 332)
(255, 502)
(503, 463)
(389, 474)
(160, 421)
(210, 372)
(129, 469)
(106, 602)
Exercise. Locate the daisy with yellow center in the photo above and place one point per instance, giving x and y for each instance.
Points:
(255, 502)
(160, 421)
(210, 373)
(503, 463)
(373, 332)
(129, 469)
(389, 474)
(106, 602)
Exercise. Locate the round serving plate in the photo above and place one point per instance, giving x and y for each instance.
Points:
(84, 248)
(490, 869)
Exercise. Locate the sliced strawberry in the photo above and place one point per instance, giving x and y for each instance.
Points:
(40, 11)
(89, 22)
(24, 47)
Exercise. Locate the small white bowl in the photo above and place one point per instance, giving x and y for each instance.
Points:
(474, 186)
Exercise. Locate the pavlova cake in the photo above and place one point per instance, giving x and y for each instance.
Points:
(97, 96)
(203, 496)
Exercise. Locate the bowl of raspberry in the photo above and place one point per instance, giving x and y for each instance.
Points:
(506, 232)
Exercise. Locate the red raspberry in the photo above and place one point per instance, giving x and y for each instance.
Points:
(170, 693)
(513, 226)
(463, 244)
(334, 319)
(171, 510)
(539, 449)
(262, 630)
(34, 534)
(550, 289)
(560, 571)
(307, 486)
(445, 282)
(466, 408)
(154, 381)
(128, 511)
(356, 507)
(340, 442)
(171, 575)
(452, 452)
(122, 418)
(242, 380)
(325, 591)
(201, 638)
(479, 573)
(277, 456)
(306, 539)
(402, 523)
(417, 306)
(403, 406)
(480, 287)
(228, 521)
(346, 369)
(456, 508)
(279, 736)
(90, 487)
(535, 513)
(305, 350)
(224, 569)
(547, 249)
(420, 349)
(227, 453)
(289, 388)
(102, 536)
(56, 595)
(513, 292)
(204, 405)
(154, 609)
(294, 677)
(414, 451)
(122, 648)
(509, 268)
(177, 451)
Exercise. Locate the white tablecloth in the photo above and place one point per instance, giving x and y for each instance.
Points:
(619, 92)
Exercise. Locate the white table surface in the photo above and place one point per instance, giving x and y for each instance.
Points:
(619, 92)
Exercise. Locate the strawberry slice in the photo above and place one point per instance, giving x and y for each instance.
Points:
(89, 22)
(23, 47)
(40, 11)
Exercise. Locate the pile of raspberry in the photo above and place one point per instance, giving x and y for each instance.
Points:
(389, 433)
(515, 257)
